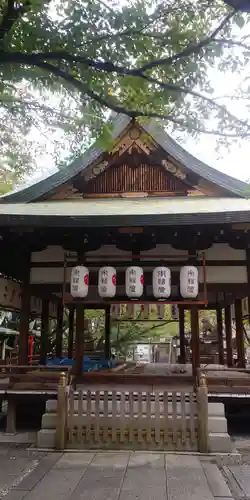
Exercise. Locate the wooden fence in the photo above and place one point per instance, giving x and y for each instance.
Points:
(132, 419)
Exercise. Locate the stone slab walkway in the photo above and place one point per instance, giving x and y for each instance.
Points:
(119, 476)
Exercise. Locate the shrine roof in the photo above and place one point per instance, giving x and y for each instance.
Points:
(38, 190)
(125, 212)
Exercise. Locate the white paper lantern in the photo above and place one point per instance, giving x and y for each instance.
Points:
(189, 282)
(107, 282)
(161, 282)
(79, 281)
(134, 281)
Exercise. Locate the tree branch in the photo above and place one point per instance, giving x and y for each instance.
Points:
(109, 103)
(11, 15)
(109, 67)
(232, 43)
(194, 93)
(41, 60)
(193, 48)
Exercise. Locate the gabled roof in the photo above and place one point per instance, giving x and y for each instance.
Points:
(171, 147)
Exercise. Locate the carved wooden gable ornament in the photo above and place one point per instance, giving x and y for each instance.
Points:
(136, 166)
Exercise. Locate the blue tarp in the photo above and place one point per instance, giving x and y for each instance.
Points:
(88, 364)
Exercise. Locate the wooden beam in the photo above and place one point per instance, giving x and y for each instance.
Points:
(182, 335)
(107, 351)
(59, 330)
(195, 340)
(239, 334)
(228, 328)
(220, 335)
(71, 320)
(152, 261)
(44, 332)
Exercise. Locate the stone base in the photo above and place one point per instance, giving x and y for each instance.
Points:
(46, 438)
(220, 442)
(219, 439)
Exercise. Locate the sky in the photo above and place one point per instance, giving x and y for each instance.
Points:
(234, 162)
(235, 159)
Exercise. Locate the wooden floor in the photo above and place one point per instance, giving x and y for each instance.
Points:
(220, 380)
(150, 376)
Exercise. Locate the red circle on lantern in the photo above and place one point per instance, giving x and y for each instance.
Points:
(142, 279)
(114, 279)
(86, 279)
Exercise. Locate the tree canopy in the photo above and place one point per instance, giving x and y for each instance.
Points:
(64, 64)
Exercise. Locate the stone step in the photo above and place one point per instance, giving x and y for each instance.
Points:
(215, 424)
(214, 409)
(49, 421)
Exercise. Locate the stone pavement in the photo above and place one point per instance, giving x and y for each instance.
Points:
(238, 476)
(114, 476)
(16, 464)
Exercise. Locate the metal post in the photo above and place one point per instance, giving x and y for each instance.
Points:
(44, 331)
(228, 328)
(59, 331)
(220, 335)
(71, 332)
(239, 334)
(195, 341)
(182, 335)
(107, 352)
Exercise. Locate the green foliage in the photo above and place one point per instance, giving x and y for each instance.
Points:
(65, 63)
(126, 333)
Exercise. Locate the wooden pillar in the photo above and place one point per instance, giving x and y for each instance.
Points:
(59, 331)
(248, 281)
(228, 328)
(239, 334)
(182, 335)
(24, 317)
(44, 331)
(71, 332)
(79, 342)
(220, 335)
(195, 339)
(202, 414)
(62, 412)
(107, 351)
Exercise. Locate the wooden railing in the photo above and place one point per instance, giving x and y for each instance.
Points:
(27, 380)
(226, 380)
(27, 377)
(131, 419)
(121, 378)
